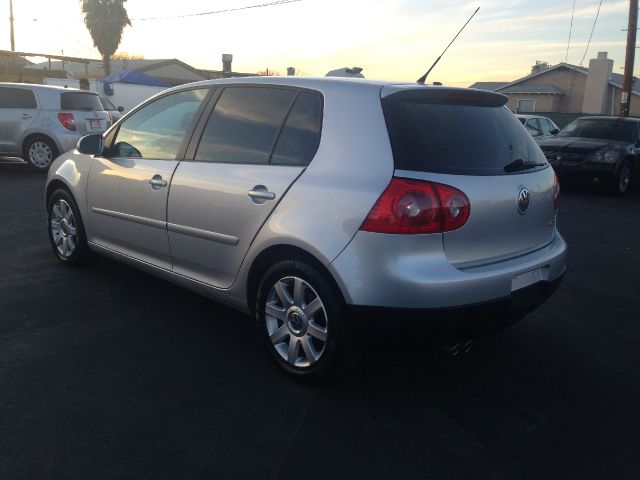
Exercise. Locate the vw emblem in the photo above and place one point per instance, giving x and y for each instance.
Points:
(296, 321)
(523, 200)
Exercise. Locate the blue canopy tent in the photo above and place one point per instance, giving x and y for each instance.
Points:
(133, 77)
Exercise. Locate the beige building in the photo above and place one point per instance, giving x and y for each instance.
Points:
(566, 88)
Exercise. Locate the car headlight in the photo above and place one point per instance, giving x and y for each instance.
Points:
(609, 156)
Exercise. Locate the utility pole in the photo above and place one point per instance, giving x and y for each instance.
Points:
(625, 101)
(13, 43)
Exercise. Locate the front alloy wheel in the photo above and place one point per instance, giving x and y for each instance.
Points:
(621, 181)
(66, 230)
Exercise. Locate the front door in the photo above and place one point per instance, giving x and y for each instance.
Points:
(128, 187)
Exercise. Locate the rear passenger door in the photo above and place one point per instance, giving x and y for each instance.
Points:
(254, 144)
(18, 110)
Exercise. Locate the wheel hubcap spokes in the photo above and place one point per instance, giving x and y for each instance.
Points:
(63, 228)
(296, 321)
(40, 154)
(624, 178)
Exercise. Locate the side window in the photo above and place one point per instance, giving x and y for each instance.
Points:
(300, 136)
(17, 98)
(546, 126)
(244, 125)
(157, 130)
(532, 126)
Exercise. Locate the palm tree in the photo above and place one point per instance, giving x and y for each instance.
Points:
(105, 20)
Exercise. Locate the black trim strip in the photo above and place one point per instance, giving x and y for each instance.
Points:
(149, 222)
(204, 234)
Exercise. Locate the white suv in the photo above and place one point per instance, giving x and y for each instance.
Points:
(39, 122)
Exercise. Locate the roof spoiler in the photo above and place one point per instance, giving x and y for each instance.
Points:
(452, 96)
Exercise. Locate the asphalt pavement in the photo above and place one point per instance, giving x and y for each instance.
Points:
(109, 373)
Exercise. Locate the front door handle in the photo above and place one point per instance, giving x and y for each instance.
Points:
(259, 194)
(25, 116)
(157, 182)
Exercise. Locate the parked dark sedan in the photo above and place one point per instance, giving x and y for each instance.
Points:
(597, 149)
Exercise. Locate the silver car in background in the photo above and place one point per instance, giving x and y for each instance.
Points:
(539, 127)
(323, 207)
(39, 122)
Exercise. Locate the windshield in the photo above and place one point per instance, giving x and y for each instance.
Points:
(600, 128)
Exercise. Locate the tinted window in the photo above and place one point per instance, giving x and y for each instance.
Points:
(600, 128)
(106, 104)
(244, 125)
(300, 136)
(546, 126)
(80, 101)
(157, 130)
(533, 126)
(17, 98)
(456, 139)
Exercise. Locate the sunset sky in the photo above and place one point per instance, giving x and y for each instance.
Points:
(394, 39)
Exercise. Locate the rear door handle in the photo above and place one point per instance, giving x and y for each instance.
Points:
(25, 116)
(259, 194)
(157, 182)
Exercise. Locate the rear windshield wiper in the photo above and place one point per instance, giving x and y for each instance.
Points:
(520, 164)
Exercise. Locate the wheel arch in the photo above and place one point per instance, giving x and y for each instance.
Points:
(54, 185)
(33, 135)
(274, 254)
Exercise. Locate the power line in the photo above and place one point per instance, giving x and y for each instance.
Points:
(566, 57)
(592, 29)
(200, 14)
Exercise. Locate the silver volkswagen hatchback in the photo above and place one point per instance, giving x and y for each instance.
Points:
(323, 207)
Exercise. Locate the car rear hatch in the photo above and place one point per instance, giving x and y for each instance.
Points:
(87, 114)
(467, 139)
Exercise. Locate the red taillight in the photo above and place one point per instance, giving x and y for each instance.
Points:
(68, 121)
(556, 192)
(413, 206)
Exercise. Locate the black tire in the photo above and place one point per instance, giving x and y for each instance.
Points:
(72, 252)
(621, 179)
(39, 152)
(337, 354)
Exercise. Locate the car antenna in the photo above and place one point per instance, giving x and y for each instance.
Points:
(422, 79)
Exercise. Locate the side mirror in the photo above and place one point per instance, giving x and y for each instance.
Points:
(121, 109)
(91, 144)
(554, 131)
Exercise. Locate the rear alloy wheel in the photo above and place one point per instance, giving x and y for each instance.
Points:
(40, 152)
(301, 316)
(66, 231)
(622, 179)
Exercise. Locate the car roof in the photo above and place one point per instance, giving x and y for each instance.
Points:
(50, 88)
(518, 115)
(316, 83)
(610, 118)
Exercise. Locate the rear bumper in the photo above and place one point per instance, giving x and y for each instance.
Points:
(376, 323)
(412, 272)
